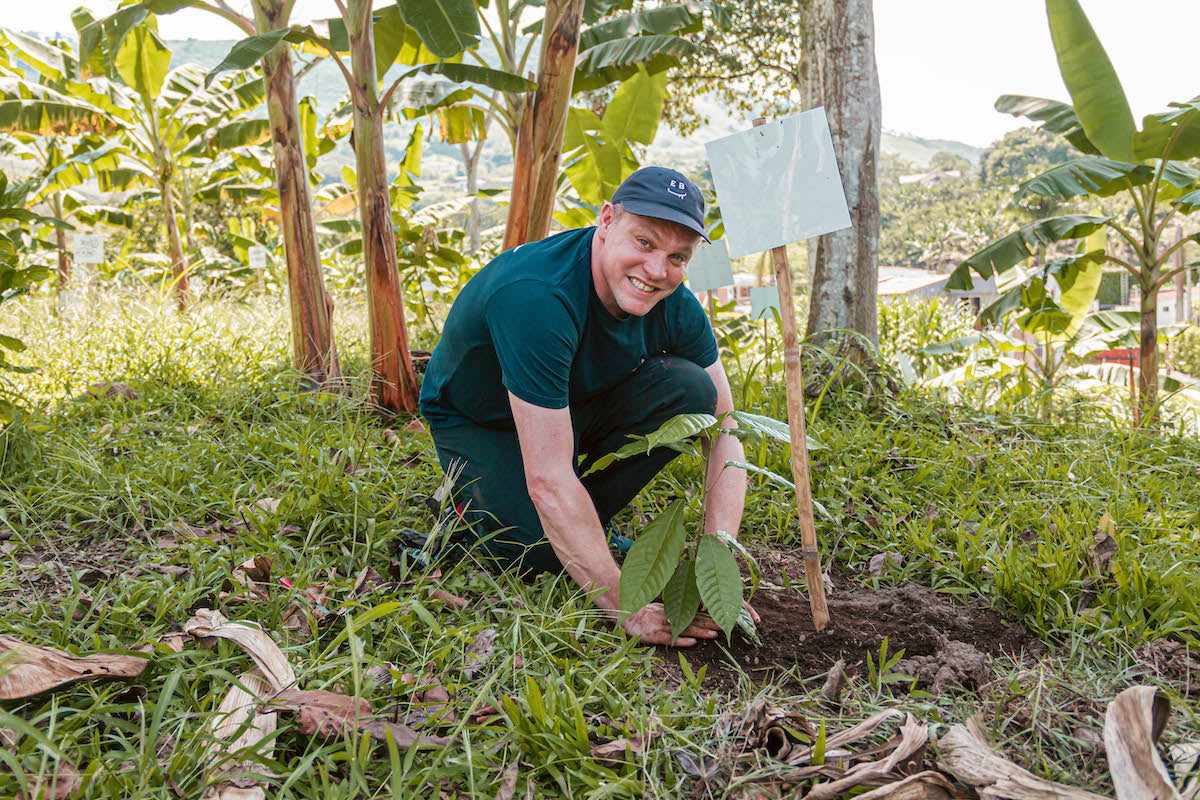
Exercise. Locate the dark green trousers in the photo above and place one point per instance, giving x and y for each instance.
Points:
(491, 492)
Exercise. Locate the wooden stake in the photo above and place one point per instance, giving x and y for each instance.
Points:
(796, 428)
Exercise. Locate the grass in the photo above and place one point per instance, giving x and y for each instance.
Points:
(980, 504)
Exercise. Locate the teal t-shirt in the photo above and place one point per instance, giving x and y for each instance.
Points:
(530, 323)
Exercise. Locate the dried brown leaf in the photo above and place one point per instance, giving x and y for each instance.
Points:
(1133, 722)
(415, 426)
(29, 669)
(404, 736)
(266, 654)
(455, 600)
(967, 756)
(63, 782)
(115, 389)
(237, 726)
(481, 649)
(835, 682)
(322, 713)
(614, 752)
(882, 562)
(508, 782)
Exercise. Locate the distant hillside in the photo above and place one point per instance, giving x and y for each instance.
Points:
(919, 151)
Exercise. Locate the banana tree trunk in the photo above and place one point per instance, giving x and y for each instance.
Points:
(179, 263)
(60, 241)
(314, 351)
(839, 65)
(395, 383)
(539, 142)
(1148, 349)
(470, 157)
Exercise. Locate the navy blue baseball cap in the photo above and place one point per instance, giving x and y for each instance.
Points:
(663, 194)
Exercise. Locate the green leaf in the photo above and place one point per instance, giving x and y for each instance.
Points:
(447, 27)
(1171, 134)
(471, 73)
(636, 108)
(248, 52)
(652, 560)
(1055, 116)
(719, 582)
(240, 133)
(1188, 202)
(143, 62)
(1096, 92)
(1005, 253)
(592, 164)
(48, 59)
(681, 598)
(775, 429)
(675, 18)
(462, 123)
(741, 550)
(774, 476)
(1085, 176)
(11, 343)
(41, 111)
(612, 61)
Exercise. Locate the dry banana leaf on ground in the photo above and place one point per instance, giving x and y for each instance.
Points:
(255, 641)
(1132, 724)
(27, 669)
(238, 727)
(966, 754)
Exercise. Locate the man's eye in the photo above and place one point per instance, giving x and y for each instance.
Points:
(644, 242)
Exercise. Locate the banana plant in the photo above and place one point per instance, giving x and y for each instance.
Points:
(15, 279)
(690, 571)
(611, 49)
(598, 151)
(56, 132)
(1149, 165)
(428, 38)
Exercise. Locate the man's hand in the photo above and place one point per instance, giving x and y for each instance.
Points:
(650, 625)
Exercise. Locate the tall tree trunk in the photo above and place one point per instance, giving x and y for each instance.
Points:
(314, 351)
(395, 384)
(840, 74)
(470, 157)
(179, 262)
(60, 241)
(539, 142)
(1148, 347)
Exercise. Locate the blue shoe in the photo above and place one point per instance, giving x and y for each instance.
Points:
(617, 542)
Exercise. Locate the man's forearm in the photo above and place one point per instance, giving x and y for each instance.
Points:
(726, 498)
(569, 520)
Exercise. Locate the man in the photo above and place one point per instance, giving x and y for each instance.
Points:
(565, 347)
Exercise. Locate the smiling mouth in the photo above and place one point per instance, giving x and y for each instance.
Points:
(645, 287)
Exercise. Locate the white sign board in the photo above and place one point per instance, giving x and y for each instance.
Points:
(710, 267)
(778, 183)
(89, 248)
(762, 300)
(258, 257)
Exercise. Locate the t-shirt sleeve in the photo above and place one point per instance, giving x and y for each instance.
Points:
(691, 335)
(535, 338)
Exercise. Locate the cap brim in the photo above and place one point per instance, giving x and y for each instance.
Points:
(645, 208)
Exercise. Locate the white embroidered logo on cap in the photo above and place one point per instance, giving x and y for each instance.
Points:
(682, 190)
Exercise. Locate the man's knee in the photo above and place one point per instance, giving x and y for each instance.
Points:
(693, 389)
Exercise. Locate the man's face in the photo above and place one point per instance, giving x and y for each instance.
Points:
(637, 261)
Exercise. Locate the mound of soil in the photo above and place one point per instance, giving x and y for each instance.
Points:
(945, 640)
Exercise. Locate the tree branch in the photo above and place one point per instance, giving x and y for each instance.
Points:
(223, 9)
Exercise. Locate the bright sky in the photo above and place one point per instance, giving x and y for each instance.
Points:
(942, 63)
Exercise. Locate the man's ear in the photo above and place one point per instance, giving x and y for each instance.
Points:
(605, 220)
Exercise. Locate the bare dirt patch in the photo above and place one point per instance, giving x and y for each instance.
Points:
(945, 640)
